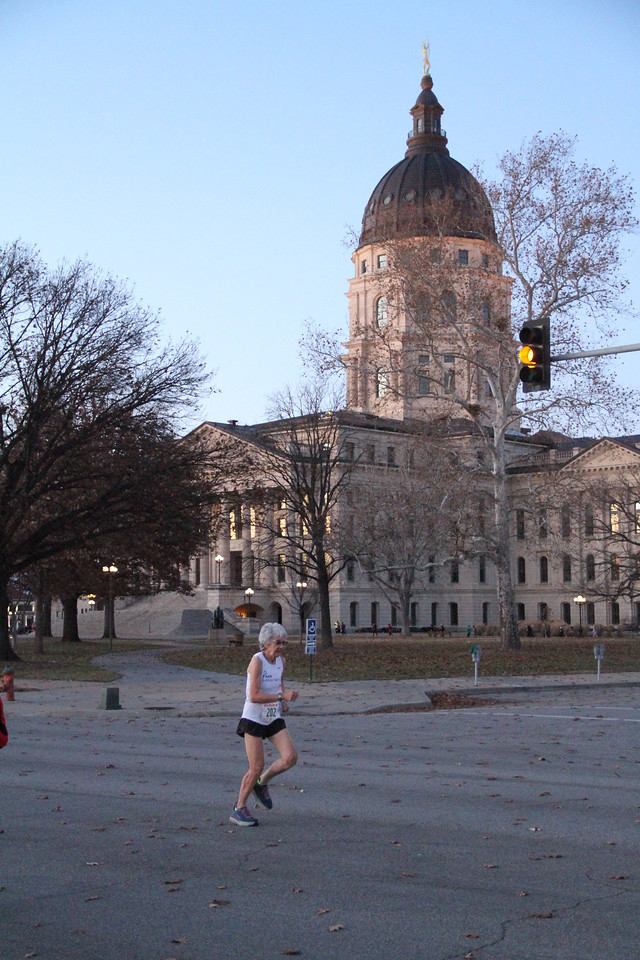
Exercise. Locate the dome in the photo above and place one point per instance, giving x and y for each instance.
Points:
(428, 193)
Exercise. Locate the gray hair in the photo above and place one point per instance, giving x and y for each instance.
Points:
(270, 632)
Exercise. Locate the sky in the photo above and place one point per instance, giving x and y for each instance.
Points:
(217, 154)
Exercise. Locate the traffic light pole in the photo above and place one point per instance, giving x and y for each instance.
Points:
(605, 351)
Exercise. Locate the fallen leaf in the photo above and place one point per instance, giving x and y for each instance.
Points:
(217, 902)
(471, 936)
(522, 893)
(490, 866)
(320, 912)
(335, 927)
(297, 890)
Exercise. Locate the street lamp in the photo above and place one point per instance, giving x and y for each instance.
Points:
(110, 571)
(218, 561)
(248, 594)
(580, 602)
(302, 586)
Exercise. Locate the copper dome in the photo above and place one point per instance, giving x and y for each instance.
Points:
(428, 193)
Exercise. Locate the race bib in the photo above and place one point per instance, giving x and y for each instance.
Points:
(269, 712)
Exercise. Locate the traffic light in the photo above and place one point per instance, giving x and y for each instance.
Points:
(534, 355)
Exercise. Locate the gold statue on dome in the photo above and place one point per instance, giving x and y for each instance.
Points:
(426, 63)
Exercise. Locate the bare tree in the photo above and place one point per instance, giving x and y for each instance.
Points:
(304, 470)
(83, 383)
(414, 517)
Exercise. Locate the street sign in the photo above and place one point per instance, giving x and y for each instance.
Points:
(476, 653)
(312, 639)
(598, 651)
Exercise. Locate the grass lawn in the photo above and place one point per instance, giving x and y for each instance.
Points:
(67, 661)
(417, 659)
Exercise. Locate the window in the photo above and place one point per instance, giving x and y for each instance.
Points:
(520, 612)
(432, 569)
(565, 522)
(353, 614)
(520, 524)
(391, 456)
(590, 564)
(382, 383)
(542, 524)
(370, 453)
(449, 304)
(566, 612)
(615, 613)
(434, 614)
(414, 614)
(455, 571)
(482, 568)
(235, 523)
(281, 568)
(423, 379)
(566, 569)
(591, 613)
(196, 571)
(614, 518)
(394, 616)
(363, 266)
(449, 374)
(351, 571)
(420, 125)
(543, 611)
(486, 311)
(374, 614)
(544, 570)
(485, 260)
(282, 526)
(615, 568)
(453, 614)
(436, 255)
(485, 613)
(382, 261)
(588, 520)
(349, 450)
(522, 570)
(382, 312)
(463, 258)
(252, 522)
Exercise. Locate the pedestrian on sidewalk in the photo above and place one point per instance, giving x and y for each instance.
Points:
(266, 701)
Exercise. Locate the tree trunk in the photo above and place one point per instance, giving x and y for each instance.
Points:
(109, 631)
(70, 625)
(509, 639)
(6, 650)
(326, 633)
(46, 616)
(38, 640)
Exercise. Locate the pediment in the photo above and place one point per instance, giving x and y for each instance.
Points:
(606, 455)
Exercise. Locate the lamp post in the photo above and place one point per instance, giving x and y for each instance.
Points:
(248, 594)
(218, 559)
(301, 586)
(580, 602)
(110, 572)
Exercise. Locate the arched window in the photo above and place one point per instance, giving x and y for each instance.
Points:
(520, 611)
(566, 612)
(544, 570)
(566, 569)
(382, 312)
(522, 570)
(382, 382)
(375, 613)
(591, 566)
(543, 611)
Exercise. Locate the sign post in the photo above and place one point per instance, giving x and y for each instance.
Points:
(311, 647)
(476, 653)
(598, 652)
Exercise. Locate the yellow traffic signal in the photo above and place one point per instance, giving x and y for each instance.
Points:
(534, 356)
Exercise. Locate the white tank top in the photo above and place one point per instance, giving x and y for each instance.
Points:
(270, 682)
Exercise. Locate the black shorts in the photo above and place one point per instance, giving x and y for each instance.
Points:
(260, 729)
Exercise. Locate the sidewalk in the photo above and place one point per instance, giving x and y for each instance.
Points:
(148, 685)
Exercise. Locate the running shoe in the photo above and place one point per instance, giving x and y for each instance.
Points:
(243, 818)
(261, 791)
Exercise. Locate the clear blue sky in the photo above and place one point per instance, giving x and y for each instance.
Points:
(215, 152)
